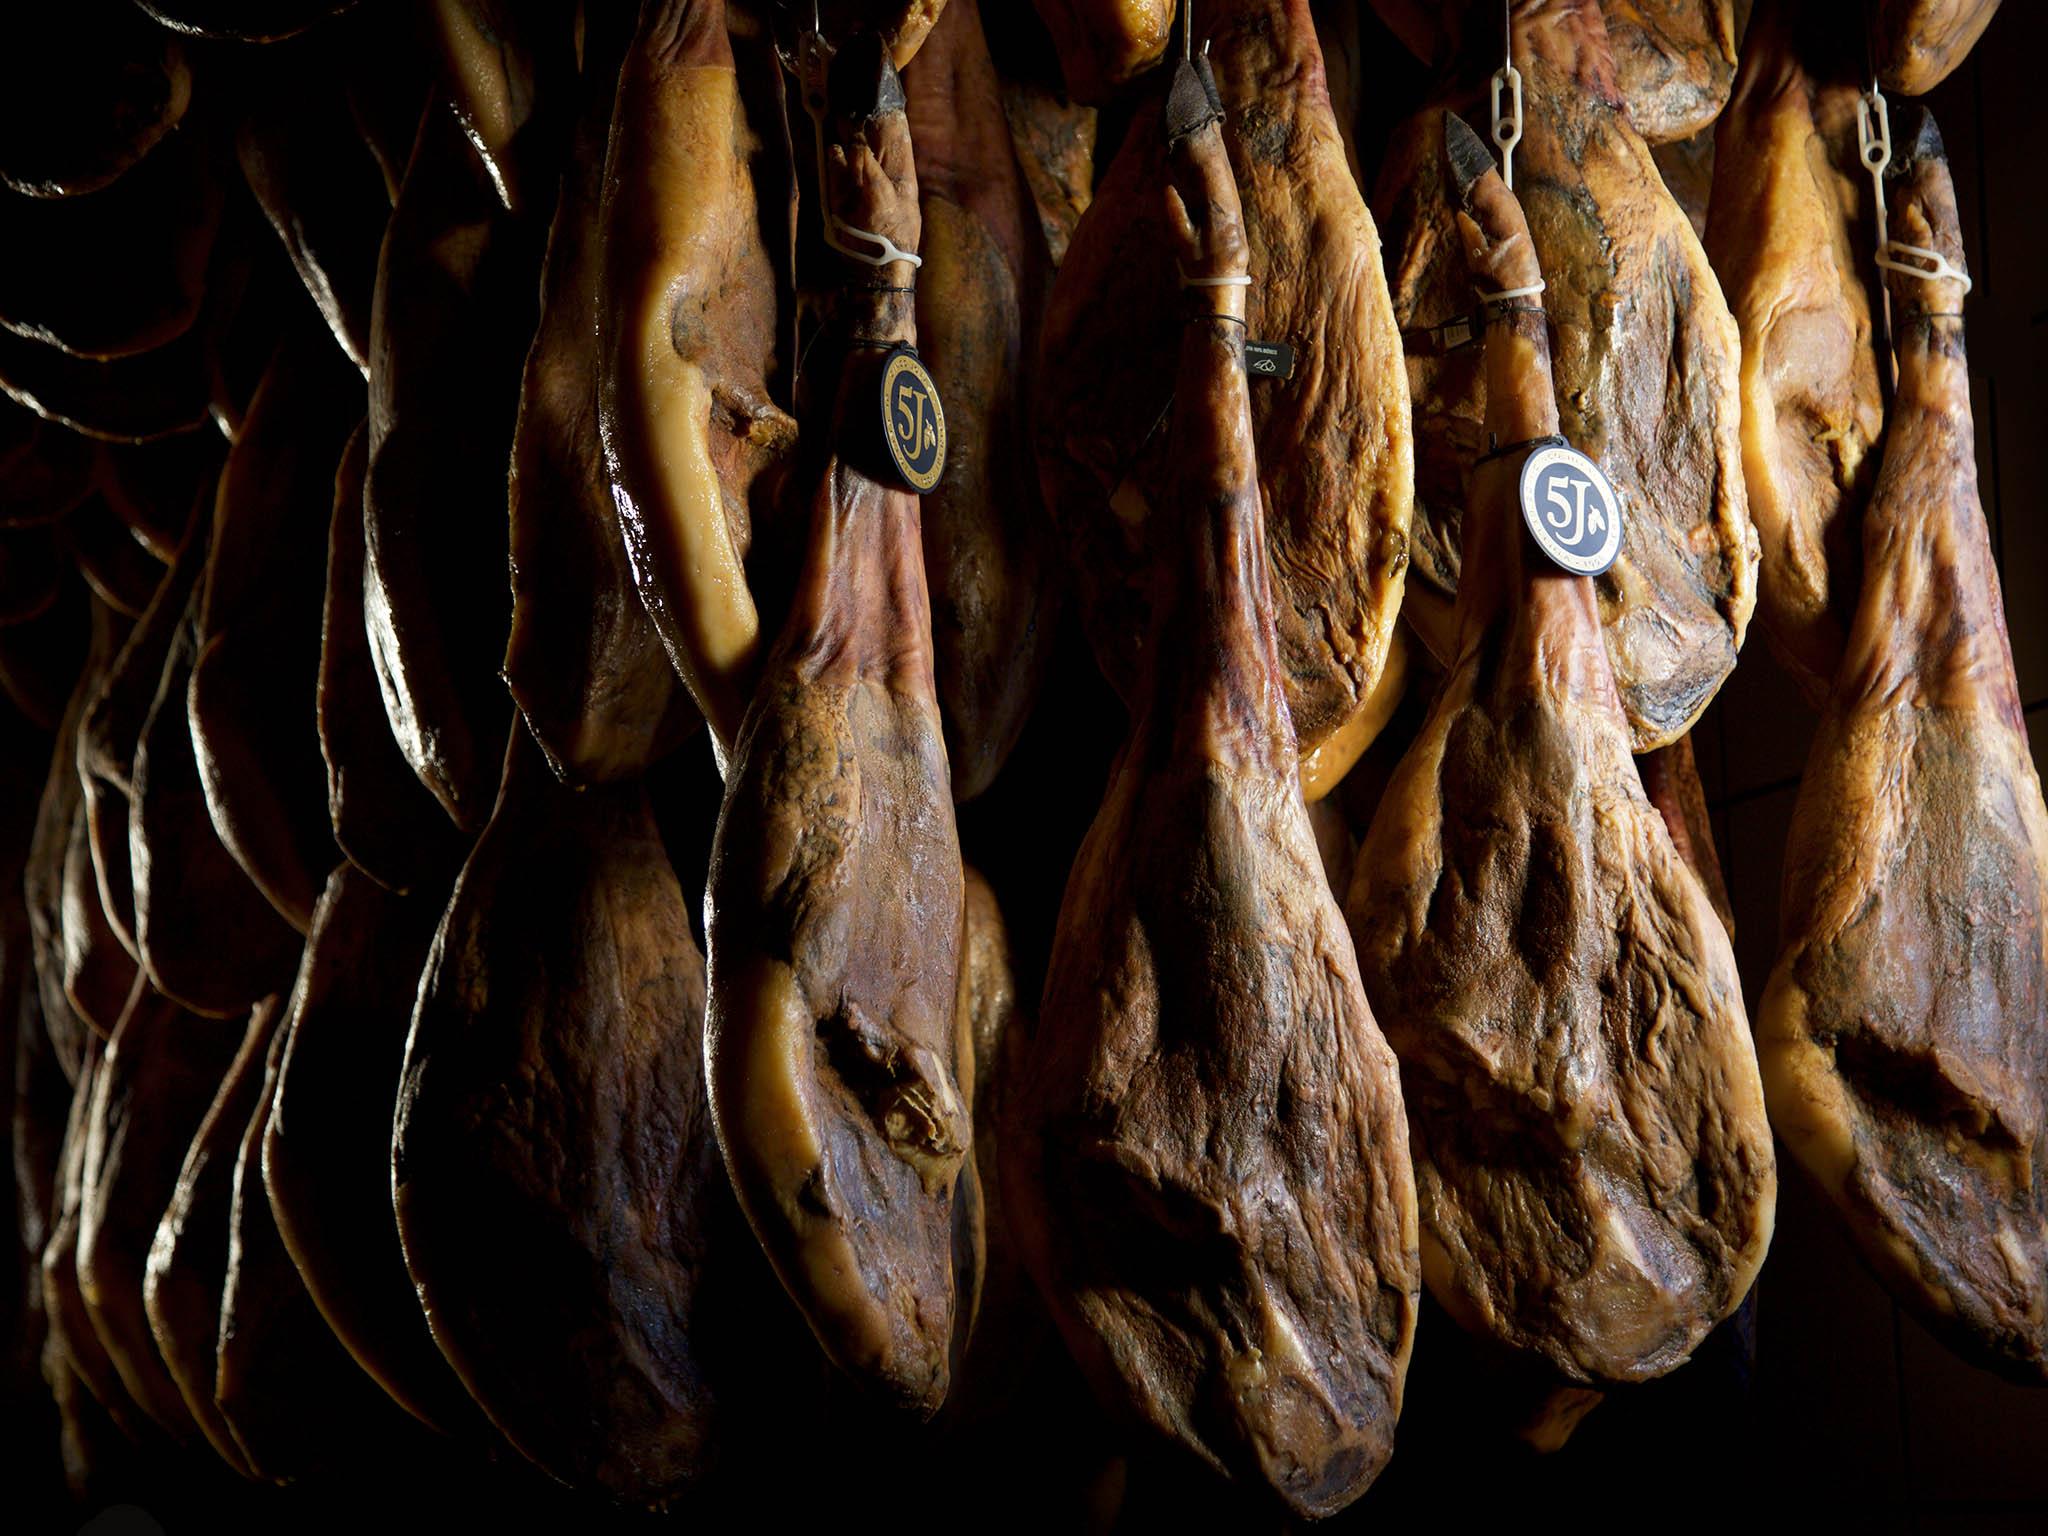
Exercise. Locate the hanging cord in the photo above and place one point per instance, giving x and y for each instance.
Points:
(1507, 84)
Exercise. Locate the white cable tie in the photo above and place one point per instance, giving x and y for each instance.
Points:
(1506, 294)
(1232, 280)
(1507, 127)
(1874, 148)
(1507, 130)
(889, 249)
(1937, 267)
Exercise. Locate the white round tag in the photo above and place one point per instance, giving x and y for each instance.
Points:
(1570, 510)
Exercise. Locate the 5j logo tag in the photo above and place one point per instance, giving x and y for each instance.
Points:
(913, 423)
(1570, 510)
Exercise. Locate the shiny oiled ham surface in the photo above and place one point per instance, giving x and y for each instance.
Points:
(1904, 1032)
(1595, 1173)
(1205, 1159)
(834, 905)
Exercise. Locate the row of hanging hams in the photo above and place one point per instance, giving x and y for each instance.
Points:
(473, 471)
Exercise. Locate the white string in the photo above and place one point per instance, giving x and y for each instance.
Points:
(1233, 280)
(1528, 292)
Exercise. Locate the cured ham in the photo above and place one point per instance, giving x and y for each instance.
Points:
(980, 293)
(687, 406)
(1205, 1159)
(1904, 1031)
(583, 660)
(1646, 366)
(551, 1155)
(1333, 439)
(1595, 1171)
(835, 888)
(1788, 229)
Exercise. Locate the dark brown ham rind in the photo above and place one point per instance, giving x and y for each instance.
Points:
(327, 1145)
(835, 885)
(1205, 1159)
(257, 626)
(980, 294)
(1645, 361)
(1592, 1159)
(583, 659)
(552, 1153)
(1789, 232)
(453, 315)
(1904, 1032)
(150, 1095)
(188, 1258)
(1334, 445)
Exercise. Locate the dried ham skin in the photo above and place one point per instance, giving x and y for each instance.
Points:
(1904, 1031)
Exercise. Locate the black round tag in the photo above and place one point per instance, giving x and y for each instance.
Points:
(913, 423)
(1570, 510)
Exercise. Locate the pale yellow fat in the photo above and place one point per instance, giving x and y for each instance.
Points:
(1809, 1107)
(1323, 769)
(483, 94)
(662, 429)
(1811, 1112)
(757, 1052)
(712, 609)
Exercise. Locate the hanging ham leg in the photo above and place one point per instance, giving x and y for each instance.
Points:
(1789, 234)
(583, 660)
(1646, 361)
(1205, 1160)
(112, 725)
(1104, 43)
(980, 293)
(150, 1095)
(327, 1145)
(72, 1334)
(1904, 1033)
(1591, 1153)
(207, 935)
(835, 883)
(258, 625)
(1918, 43)
(1055, 140)
(687, 337)
(1335, 459)
(188, 1258)
(551, 1155)
(293, 1398)
(385, 820)
(452, 316)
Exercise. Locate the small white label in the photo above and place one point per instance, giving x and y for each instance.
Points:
(1570, 510)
